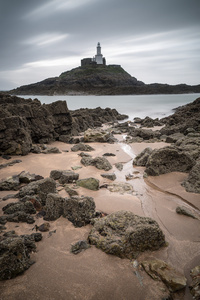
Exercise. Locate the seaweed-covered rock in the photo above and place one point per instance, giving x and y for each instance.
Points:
(82, 147)
(168, 159)
(158, 269)
(79, 211)
(181, 210)
(142, 157)
(192, 183)
(100, 163)
(14, 257)
(89, 183)
(41, 188)
(126, 235)
(110, 176)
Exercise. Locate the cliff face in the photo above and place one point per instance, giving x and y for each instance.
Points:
(26, 121)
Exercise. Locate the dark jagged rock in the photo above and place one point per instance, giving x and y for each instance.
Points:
(11, 163)
(126, 235)
(79, 211)
(26, 177)
(10, 183)
(99, 162)
(43, 227)
(98, 135)
(41, 188)
(192, 183)
(168, 159)
(145, 134)
(54, 207)
(110, 176)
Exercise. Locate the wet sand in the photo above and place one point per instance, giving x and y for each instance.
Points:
(59, 274)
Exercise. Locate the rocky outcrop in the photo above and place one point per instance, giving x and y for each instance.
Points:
(98, 135)
(192, 183)
(126, 235)
(142, 158)
(159, 269)
(168, 159)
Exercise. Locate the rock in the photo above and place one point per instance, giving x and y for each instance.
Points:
(10, 196)
(195, 284)
(109, 154)
(79, 211)
(158, 269)
(120, 187)
(110, 176)
(119, 166)
(126, 235)
(145, 134)
(14, 207)
(99, 162)
(192, 183)
(89, 183)
(41, 188)
(64, 176)
(82, 147)
(54, 207)
(168, 159)
(50, 150)
(43, 227)
(82, 154)
(142, 157)
(26, 177)
(10, 183)
(14, 258)
(76, 168)
(71, 191)
(185, 211)
(98, 135)
(79, 247)
(13, 162)
(37, 236)
(173, 138)
(68, 177)
(19, 216)
(190, 146)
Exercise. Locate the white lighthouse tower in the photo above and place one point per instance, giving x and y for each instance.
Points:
(99, 56)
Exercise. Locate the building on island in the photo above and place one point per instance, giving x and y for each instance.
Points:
(98, 59)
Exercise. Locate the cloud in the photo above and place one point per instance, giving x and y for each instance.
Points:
(46, 39)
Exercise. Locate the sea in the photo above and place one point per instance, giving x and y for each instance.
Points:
(154, 106)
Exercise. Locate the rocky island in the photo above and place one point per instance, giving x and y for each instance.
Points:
(83, 218)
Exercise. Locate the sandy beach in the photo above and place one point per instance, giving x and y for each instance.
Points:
(92, 274)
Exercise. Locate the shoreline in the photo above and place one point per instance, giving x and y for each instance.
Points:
(92, 274)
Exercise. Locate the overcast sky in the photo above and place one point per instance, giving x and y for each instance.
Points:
(153, 40)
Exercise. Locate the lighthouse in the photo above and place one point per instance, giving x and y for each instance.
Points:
(99, 57)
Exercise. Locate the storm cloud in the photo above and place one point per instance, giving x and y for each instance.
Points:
(154, 41)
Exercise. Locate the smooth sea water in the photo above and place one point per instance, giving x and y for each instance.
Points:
(154, 106)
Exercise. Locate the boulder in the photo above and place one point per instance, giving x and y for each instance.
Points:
(99, 162)
(79, 211)
(82, 147)
(181, 210)
(195, 284)
(119, 166)
(159, 269)
(41, 188)
(53, 207)
(89, 183)
(14, 257)
(168, 159)
(126, 235)
(110, 176)
(145, 134)
(26, 177)
(50, 150)
(43, 227)
(142, 157)
(192, 183)
(98, 135)
(18, 216)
